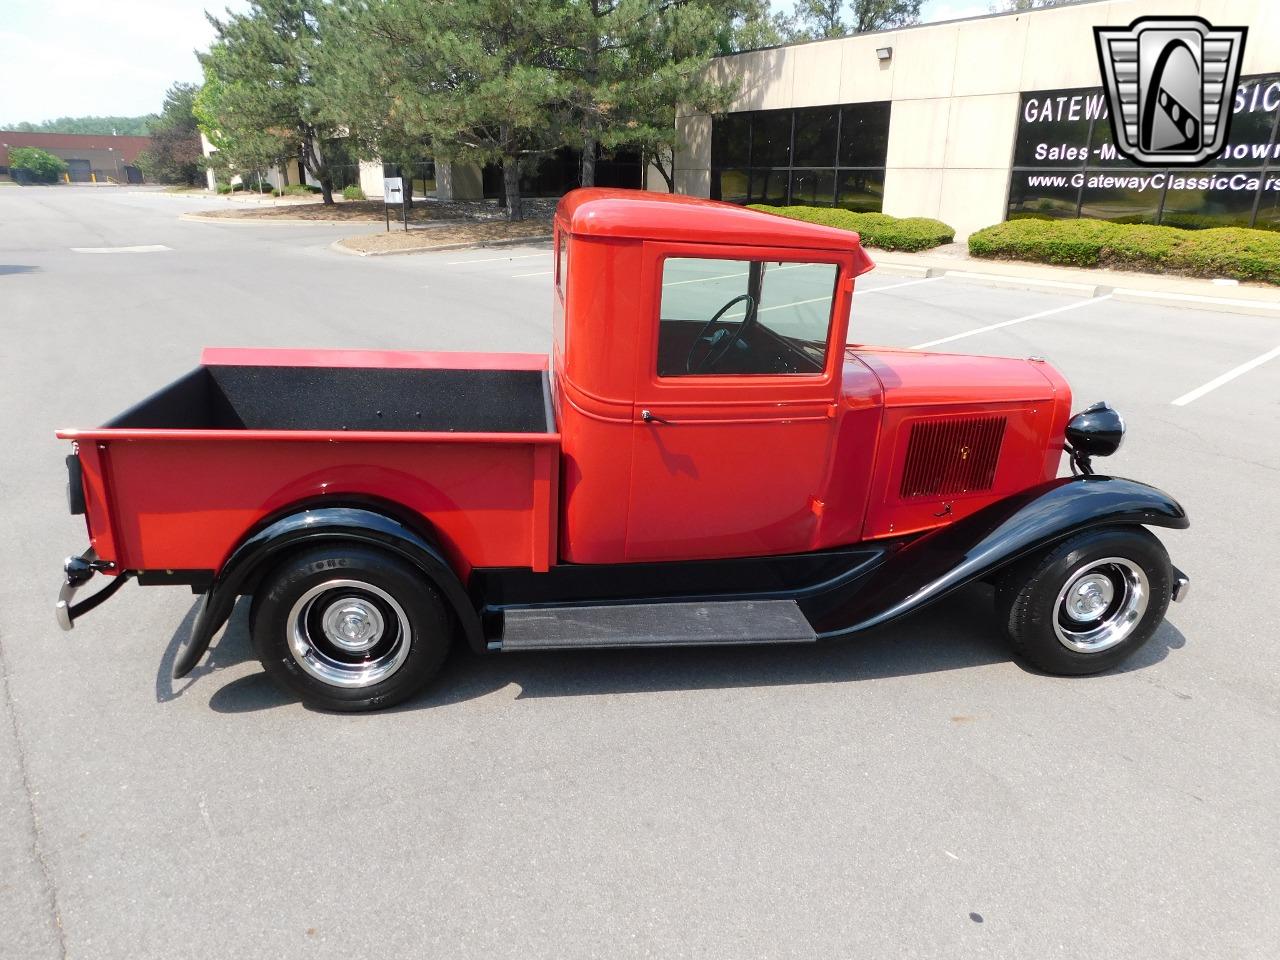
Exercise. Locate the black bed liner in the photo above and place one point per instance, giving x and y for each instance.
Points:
(347, 398)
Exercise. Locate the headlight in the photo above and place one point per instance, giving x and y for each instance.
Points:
(1096, 431)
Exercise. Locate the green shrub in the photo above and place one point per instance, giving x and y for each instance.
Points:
(298, 190)
(224, 188)
(876, 229)
(1233, 252)
(352, 192)
(39, 165)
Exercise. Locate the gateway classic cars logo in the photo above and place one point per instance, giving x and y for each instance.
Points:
(1167, 81)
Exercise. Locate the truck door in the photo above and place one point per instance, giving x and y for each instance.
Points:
(734, 400)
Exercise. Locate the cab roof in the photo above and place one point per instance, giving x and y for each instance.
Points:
(641, 215)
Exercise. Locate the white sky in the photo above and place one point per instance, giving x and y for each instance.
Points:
(107, 57)
(117, 57)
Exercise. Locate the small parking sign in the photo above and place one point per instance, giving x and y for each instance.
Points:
(393, 193)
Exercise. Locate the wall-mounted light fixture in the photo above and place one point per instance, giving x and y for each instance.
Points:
(884, 53)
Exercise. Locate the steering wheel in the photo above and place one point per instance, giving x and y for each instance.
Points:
(716, 352)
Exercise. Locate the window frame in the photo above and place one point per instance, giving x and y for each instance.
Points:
(559, 267)
(720, 388)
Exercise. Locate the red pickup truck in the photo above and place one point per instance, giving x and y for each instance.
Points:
(702, 460)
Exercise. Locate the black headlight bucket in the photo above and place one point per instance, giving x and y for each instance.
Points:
(1096, 431)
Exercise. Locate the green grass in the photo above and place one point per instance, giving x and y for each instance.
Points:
(1232, 252)
(876, 229)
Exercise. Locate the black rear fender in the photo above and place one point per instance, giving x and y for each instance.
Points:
(933, 565)
(261, 549)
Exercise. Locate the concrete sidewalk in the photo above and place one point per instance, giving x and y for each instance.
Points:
(953, 261)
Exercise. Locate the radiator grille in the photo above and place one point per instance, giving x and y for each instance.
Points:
(955, 455)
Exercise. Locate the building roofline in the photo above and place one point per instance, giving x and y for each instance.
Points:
(914, 26)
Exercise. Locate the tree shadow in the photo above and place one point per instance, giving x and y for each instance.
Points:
(958, 632)
(6, 268)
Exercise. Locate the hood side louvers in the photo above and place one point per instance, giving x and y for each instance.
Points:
(951, 455)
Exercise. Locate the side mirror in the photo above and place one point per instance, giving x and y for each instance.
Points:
(1096, 431)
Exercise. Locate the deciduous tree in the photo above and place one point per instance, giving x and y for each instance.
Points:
(98, 126)
(820, 19)
(39, 165)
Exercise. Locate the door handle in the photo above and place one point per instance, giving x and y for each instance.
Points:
(648, 417)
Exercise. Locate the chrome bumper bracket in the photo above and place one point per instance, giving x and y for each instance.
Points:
(78, 571)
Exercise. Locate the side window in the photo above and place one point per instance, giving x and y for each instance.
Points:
(721, 317)
(560, 262)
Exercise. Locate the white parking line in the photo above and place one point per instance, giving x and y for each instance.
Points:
(1010, 323)
(540, 273)
(1227, 377)
(795, 303)
(523, 256)
(895, 286)
(730, 276)
(144, 248)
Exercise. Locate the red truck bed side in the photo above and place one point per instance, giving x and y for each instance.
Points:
(177, 498)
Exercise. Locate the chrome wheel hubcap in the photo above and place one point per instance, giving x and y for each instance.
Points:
(1101, 604)
(1089, 597)
(353, 624)
(349, 633)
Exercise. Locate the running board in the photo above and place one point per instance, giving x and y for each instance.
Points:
(655, 625)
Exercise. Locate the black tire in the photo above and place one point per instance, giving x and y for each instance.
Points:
(327, 601)
(1034, 599)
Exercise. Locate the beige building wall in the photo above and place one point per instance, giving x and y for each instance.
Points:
(955, 90)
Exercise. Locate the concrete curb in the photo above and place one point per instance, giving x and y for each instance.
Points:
(472, 245)
(1037, 284)
(264, 221)
(906, 269)
(1254, 308)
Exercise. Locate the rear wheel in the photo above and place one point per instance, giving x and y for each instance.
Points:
(1088, 603)
(349, 628)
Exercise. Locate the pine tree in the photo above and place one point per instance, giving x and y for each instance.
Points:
(626, 66)
(263, 67)
(471, 78)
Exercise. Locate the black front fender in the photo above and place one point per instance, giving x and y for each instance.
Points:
(936, 563)
(358, 524)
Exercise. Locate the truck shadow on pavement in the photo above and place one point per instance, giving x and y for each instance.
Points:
(954, 634)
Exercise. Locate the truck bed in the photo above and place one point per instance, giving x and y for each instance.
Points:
(248, 397)
(466, 441)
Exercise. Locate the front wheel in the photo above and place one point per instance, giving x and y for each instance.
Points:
(349, 628)
(1088, 603)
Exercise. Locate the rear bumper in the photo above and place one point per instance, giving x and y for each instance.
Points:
(77, 572)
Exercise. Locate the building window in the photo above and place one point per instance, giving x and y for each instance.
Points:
(1065, 165)
(830, 156)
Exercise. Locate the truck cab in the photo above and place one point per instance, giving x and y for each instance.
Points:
(710, 407)
(703, 458)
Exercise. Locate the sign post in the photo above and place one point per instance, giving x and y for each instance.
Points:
(393, 192)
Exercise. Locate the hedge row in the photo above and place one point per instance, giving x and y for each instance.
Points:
(876, 229)
(1233, 252)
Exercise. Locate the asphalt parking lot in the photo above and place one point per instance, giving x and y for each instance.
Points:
(915, 793)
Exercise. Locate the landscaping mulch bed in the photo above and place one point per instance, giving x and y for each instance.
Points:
(448, 235)
(371, 211)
